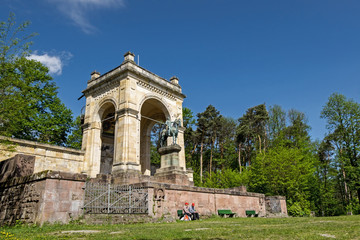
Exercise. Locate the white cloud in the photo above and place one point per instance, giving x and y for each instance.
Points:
(77, 10)
(53, 63)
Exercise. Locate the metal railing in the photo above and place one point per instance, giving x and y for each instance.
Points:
(115, 199)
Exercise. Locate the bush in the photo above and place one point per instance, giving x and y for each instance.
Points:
(296, 210)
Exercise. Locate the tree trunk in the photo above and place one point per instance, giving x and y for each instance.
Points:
(239, 158)
(347, 194)
(201, 162)
(222, 153)
(259, 143)
(194, 149)
(265, 140)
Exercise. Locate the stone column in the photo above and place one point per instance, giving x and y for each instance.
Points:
(91, 142)
(126, 149)
(92, 147)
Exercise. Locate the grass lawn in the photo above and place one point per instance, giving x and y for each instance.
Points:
(344, 227)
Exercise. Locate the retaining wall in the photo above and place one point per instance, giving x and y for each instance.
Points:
(53, 196)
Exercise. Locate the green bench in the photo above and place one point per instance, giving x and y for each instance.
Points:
(226, 213)
(180, 213)
(251, 213)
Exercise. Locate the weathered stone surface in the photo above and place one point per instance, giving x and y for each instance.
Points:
(276, 206)
(18, 166)
(42, 197)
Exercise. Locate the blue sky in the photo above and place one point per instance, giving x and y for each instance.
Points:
(232, 54)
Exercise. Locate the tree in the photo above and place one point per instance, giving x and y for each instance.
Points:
(30, 108)
(251, 132)
(287, 166)
(75, 138)
(327, 199)
(284, 171)
(277, 121)
(226, 141)
(207, 125)
(14, 41)
(189, 136)
(343, 123)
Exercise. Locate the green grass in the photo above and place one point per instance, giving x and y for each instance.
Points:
(344, 227)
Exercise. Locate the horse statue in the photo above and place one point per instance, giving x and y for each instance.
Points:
(171, 130)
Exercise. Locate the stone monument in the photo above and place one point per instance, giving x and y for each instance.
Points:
(122, 106)
(45, 183)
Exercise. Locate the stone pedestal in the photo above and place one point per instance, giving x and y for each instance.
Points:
(169, 155)
(170, 171)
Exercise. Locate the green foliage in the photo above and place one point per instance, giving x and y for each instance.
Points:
(296, 210)
(29, 106)
(277, 121)
(226, 178)
(154, 156)
(282, 171)
(343, 122)
(251, 132)
(190, 137)
(14, 41)
(75, 138)
(207, 131)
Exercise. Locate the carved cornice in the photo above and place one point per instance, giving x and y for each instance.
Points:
(129, 68)
(106, 90)
(155, 90)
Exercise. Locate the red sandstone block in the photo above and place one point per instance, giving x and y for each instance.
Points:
(50, 195)
(64, 206)
(64, 195)
(52, 184)
(48, 208)
(64, 184)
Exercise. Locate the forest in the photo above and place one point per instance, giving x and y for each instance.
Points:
(269, 150)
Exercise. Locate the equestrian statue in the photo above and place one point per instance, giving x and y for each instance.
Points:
(171, 130)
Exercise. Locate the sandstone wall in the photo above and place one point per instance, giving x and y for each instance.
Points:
(52, 196)
(47, 157)
(207, 200)
(48, 196)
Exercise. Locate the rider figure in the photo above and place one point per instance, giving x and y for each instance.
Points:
(168, 126)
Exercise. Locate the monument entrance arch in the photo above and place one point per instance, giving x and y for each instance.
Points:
(152, 111)
(122, 106)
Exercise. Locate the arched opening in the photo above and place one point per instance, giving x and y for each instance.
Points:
(152, 112)
(107, 138)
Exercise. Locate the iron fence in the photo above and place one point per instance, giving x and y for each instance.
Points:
(115, 199)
